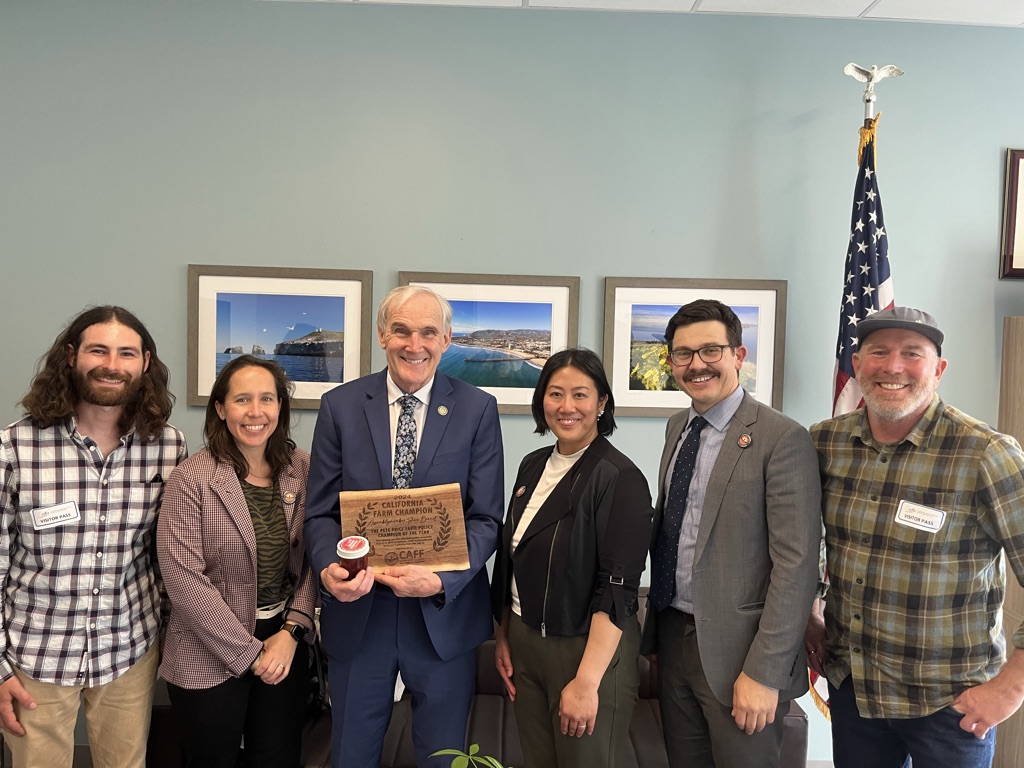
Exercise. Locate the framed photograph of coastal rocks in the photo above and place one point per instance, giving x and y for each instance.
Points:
(314, 322)
(504, 328)
(636, 315)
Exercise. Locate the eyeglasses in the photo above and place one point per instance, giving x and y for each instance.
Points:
(712, 353)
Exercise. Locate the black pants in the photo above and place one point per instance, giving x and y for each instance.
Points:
(270, 717)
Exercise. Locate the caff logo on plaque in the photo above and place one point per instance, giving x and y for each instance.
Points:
(413, 526)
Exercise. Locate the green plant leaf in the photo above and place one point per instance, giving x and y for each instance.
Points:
(463, 760)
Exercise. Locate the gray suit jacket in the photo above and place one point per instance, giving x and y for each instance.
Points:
(755, 567)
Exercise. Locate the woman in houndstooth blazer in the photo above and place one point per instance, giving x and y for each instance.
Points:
(229, 541)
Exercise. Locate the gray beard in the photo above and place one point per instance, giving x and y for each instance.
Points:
(893, 413)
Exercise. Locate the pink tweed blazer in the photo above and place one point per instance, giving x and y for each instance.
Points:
(207, 552)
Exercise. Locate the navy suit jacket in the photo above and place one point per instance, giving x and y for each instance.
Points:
(461, 444)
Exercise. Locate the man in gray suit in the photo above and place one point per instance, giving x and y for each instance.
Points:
(734, 555)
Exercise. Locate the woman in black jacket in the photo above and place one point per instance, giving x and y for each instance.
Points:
(566, 578)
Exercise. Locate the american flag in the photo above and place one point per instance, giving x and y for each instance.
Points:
(868, 281)
(867, 288)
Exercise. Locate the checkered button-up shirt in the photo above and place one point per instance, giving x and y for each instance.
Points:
(81, 600)
(913, 533)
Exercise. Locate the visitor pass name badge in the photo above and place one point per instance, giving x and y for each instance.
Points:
(51, 517)
(920, 517)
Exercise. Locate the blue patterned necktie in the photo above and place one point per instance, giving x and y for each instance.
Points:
(405, 444)
(666, 549)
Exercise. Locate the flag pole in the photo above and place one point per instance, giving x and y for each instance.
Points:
(867, 285)
(870, 77)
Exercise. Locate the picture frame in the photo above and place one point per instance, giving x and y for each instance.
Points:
(636, 314)
(507, 367)
(1011, 262)
(236, 310)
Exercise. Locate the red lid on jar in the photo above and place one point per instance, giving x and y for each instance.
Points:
(352, 547)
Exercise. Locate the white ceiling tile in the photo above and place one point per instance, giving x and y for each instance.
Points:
(473, 3)
(616, 5)
(820, 8)
(992, 12)
(985, 12)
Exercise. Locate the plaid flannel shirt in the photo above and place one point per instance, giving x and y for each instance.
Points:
(81, 599)
(915, 613)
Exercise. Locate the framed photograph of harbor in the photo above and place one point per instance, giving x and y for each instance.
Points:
(636, 315)
(504, 328)
(314, 322)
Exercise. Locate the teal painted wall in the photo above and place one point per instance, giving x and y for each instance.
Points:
(139, 137)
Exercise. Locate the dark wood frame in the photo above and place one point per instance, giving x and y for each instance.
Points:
(437, 281)
(364, 279)
(681, 291)
(1012, 264)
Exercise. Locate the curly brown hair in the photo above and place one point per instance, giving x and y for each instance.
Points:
(52, 397)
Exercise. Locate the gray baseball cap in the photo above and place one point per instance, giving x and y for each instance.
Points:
(904, 318)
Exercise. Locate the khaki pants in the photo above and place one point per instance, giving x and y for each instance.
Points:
(117, 715)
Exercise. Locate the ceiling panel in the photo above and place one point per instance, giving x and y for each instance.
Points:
(985, 12)
(474, 3)
(991, 12)
(821, 8)
(675, 6)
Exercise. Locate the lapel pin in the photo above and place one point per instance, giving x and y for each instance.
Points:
(289, 497)
(744, 441)
(520, 491)
(442, 410)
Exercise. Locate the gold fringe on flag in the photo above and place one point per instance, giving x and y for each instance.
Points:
(816, 697)
(867, 133)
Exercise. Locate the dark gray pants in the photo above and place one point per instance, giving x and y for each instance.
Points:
(543, 666)
(699, 730)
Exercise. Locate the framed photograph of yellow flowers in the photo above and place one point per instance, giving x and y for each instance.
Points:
(636, 314)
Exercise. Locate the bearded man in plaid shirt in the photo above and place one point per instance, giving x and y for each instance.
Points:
(81, 478)
(920, 503)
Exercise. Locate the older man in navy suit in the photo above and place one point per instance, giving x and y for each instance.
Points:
(404, 618)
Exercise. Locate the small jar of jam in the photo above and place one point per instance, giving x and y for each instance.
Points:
(353, 552)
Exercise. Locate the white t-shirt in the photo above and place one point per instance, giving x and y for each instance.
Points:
(558, 466)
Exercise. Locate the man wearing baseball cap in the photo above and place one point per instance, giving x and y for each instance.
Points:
(919, 502)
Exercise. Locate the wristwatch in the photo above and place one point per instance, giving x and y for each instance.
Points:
(297, 631)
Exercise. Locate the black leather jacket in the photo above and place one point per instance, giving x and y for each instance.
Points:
(585, 549)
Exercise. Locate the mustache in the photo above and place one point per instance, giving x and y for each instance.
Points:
(106, 373)
(690, 375)
(888, 380)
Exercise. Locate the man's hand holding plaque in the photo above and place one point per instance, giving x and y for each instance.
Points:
(413, 533)
(411, 580)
